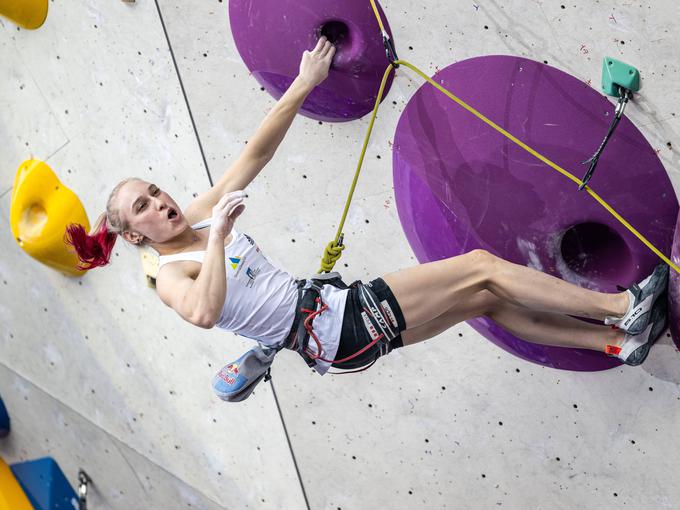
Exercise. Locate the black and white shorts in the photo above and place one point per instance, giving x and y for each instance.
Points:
(357, 331)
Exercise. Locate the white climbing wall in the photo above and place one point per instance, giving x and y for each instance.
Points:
(99, 374)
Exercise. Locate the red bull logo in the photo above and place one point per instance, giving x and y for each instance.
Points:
(229, 373)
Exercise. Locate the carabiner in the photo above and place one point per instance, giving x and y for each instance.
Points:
(390, 51)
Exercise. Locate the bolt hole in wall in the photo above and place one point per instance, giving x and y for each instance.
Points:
(596, 252)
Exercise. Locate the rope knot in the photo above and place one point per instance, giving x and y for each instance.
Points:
(331, 255)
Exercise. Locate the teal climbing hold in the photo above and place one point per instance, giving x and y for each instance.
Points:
(617, 74)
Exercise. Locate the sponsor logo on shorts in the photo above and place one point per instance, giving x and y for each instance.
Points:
(378, 316)
(389, 313)
(369, 326)
(229, 373)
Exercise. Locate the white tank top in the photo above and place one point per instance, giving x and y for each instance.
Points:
(261, 298)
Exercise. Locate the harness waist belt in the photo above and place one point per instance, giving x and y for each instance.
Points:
(309, 304)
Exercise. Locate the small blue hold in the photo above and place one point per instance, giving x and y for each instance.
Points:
(45, 485)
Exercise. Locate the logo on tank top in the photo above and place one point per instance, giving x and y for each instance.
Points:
(251, 274)
(235, 261)
(252, 242)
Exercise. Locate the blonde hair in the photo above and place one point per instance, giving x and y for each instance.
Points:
(115, 223)
(94, 249)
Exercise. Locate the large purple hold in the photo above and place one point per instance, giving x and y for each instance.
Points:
(272, 34)
(461, 185)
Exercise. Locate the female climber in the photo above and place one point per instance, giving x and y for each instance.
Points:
(211, 274)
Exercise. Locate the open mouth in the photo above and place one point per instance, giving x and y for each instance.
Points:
(172, 214)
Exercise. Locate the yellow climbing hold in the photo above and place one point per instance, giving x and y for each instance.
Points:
(28, 14)
(149, 265)
(41, 209)
(12, 497)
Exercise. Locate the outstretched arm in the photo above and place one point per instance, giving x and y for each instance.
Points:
(262, 146)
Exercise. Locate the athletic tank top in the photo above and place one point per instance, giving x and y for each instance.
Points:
(260, 301)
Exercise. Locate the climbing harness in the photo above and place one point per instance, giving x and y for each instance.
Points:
(310, 305)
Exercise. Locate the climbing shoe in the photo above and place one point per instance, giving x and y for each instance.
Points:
(634, 348)
(642, 297)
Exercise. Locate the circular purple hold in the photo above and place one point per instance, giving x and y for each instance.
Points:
(271, 36)
(461, 185)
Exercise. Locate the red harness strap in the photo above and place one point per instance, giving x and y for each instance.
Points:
(308, 323)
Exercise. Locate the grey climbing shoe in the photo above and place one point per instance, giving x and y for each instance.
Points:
(634, 348)
(642, 296)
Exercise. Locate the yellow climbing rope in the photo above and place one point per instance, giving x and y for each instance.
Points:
(334, 249)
